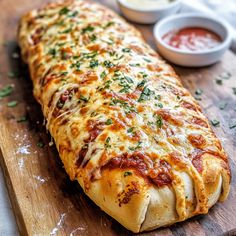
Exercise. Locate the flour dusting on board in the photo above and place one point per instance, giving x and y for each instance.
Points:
(78, 230)
(59, 224)
(40, 178)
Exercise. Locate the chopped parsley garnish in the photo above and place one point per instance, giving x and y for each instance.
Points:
(145, 95)
(109, 122)
(126, 50)
(64, 73)
(130, 130)
(89, 55)
(12, 74)
(21, 119)
(123, 104)
(93, 114)
(40, 144)
(110, 23)
(6, 91)
(218, 81)
(93, 63)
(160, 105)
(108, 64)
(158, 97)
(141, 84)
(66, 31)
(73, 14)
(103, 74)
(198, 92)
(107, 142)
(225, 75)
(138, 146)
(93, 37)
(215, 122)
(159, 121)
(234, 90)
(52, 52)
(87, 29)
(60, 104)
(127, 173)
(232, 124)
(147, 60)
(84, 99)
(12, 104)
(64, 11)
(222, 105)
(76, 65)
(135, 64)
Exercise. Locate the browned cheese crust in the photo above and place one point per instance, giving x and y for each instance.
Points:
(124, 126)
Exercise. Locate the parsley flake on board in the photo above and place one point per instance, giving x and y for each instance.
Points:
(234, 90)
(21, 119)
(215, 122)
(6, 91)
(232, 124)
(40, 144)
(222, 105)
(12, 104)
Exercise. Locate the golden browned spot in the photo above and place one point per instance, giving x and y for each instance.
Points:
(197, 140)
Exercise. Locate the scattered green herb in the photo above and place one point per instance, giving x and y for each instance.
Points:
(127, 173)
(146, 59)
(198, 92)
(107, 142)
(52, 52)
(87, 29)
(130, 130)
(93, 63)
(234, 90)
(6, 91)
(126, 50)
(159, 121)
(108, 64)
(12, 104)
(64, 11)
(40, 144)
(218, 81)
(21, 119)
(222, 105)
(109, 122)
(232, 124)
(12, 74)
(215, 122)
(138, 146)
(103, 74)
(84, 99)
(145, 95)
(141, 84)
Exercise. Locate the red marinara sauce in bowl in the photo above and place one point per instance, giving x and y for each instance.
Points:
(192, 39)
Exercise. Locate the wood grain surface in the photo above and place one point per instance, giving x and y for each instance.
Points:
(45, 201)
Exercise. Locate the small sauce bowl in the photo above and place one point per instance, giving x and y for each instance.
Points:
(192, 58)
(148, 15)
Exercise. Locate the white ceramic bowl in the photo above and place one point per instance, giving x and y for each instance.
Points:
(195, 58)
(146, 15)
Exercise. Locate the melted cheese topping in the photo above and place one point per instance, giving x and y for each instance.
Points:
(111, 102)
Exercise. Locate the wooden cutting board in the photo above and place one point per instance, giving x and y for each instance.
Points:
(45, 201)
